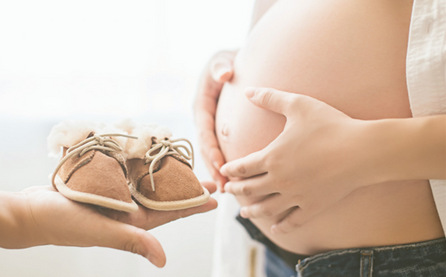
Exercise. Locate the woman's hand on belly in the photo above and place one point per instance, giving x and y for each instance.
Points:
(323, 155)
(309, 167)
(317, 160)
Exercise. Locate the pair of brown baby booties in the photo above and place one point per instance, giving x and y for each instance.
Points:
(105, 165)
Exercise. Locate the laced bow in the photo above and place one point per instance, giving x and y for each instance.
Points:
(167, 148)
(96, 142)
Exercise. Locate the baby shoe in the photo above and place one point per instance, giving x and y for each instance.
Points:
(92, 170)
(160, 177)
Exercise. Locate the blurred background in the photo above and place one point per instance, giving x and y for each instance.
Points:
(106, 61)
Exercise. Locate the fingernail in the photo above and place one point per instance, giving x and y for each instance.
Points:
(250, 91)
(244, 213)
(216, 165)
(274, 230)
(223, 71)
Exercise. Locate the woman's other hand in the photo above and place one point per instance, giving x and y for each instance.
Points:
(218, 71)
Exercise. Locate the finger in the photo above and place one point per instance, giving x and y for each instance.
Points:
(210, 186)
(148, 219)
(248, 166)
(210, 205)
(221, 66)
(253, 187)
(271, 99)
(290, 223)
(271, 206)
(158, 218)
(208, 140)
(212, 156)
(221, 69)
(38, 188)
(121, 236)
(216, 157)
(217, 160)
(219, 179)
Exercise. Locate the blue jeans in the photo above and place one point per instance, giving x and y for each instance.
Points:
(276, 266)
(421, 259)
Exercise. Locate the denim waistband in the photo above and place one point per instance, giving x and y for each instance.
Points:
(421, 259)
(290, 259)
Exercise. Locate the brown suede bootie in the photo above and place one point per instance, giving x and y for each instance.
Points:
(93, 171)
(163, 179)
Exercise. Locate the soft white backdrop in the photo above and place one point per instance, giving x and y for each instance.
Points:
(106, 60)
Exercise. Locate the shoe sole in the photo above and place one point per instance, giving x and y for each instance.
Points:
(169, 205)
(94, 199)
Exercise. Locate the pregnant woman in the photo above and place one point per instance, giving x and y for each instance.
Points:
(336, 190)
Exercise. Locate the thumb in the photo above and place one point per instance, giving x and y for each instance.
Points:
(128, 238)
(222, 69)
(271, 99)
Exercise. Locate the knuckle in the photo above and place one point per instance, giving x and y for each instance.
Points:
(265, 211)
(214, 173)
(240, 169)
(203, 151)
(132, 243)
(292, 222)
(299, 199)
(245, 190)
(268, 162)
(205, 136)
(265, 96)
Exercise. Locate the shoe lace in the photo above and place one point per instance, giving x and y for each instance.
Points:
(96, 142)
(168, 147)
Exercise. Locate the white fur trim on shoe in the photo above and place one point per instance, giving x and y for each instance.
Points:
(71, 132)
(145, 133)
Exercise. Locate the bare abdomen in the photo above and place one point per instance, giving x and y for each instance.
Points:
(351, 55)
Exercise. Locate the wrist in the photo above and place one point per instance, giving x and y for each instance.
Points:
(21, 229)
(13, 219)
(383, 142)
(367, 149)
(406, 149)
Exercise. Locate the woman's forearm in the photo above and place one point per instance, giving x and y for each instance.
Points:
(409, 149)
(15, 227)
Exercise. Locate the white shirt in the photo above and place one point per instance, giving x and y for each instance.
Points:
(426, 73)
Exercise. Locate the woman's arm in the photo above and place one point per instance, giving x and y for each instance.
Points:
(409, 149)
(41, 216)
(310, 170)
(15, 231)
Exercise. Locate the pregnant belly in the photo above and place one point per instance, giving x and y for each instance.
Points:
(351, 55)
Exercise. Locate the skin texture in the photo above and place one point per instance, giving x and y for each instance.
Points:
(356, 67)
(41, 216)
